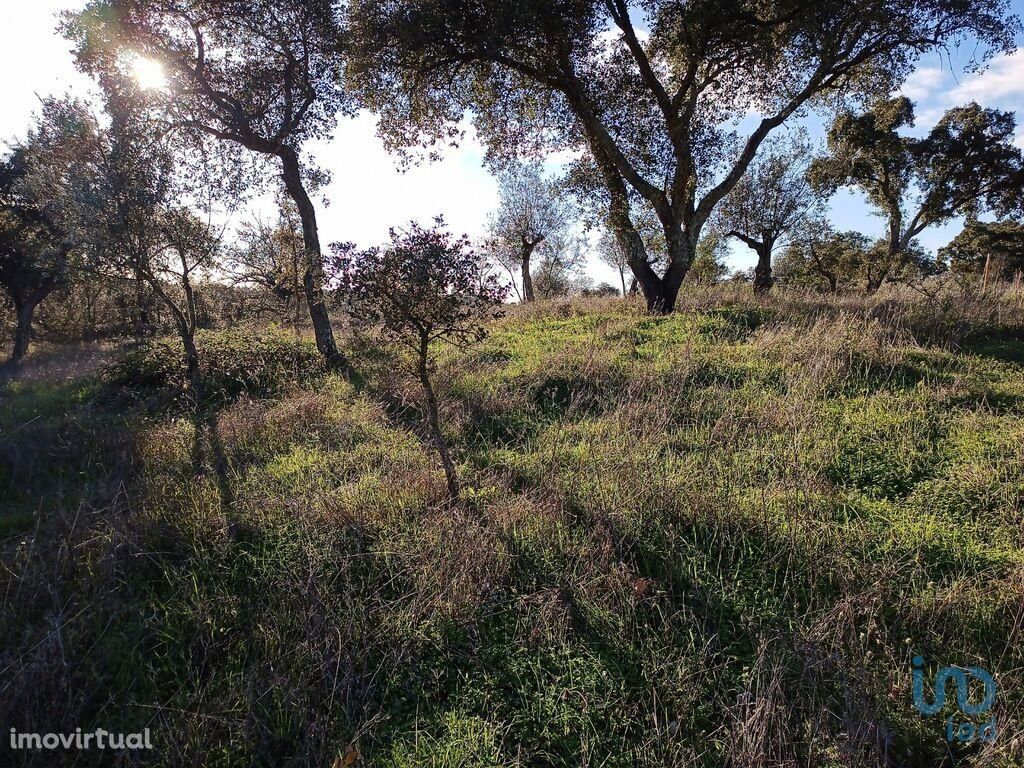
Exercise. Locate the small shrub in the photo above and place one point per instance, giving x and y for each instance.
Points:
(425, 287)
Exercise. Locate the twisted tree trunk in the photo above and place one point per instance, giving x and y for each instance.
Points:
(528, 294)
(763, 280)
(660, 298)
(184, 322)
(25, 304)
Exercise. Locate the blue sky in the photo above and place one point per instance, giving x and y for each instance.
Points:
(368, 193)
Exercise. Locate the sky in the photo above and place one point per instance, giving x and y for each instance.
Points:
(369, 194)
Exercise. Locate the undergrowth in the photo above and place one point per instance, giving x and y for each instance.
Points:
(713, 538)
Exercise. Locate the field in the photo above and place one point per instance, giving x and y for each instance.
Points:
(715, 538)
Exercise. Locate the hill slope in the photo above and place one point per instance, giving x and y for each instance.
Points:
(712, 538)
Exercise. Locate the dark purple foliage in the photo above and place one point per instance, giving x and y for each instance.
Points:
(425, 285)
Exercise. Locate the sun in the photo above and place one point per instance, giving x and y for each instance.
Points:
(148, 73)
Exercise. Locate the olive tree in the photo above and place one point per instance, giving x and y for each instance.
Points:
(709, 266)
(425, 286)
(188, 247)
(560, 270)
(261, 75)
(992, 249)
(266, 256)
(532, 210)
(33, 258)
(611, 254)
(138, 228)
(769, 202)
(649, 92)
(41, 181)
(819, 256)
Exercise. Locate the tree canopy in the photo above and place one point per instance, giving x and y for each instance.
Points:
(993, 249)
(967, 164)
(43, 182)
(648, 90)
(264, 75)
(423, 287)
(532, 210)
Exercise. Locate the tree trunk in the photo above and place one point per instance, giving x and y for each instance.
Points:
(187, 327)
(652, 286)
(682, 249)
(660, 298)
(763, 280)
(142, 316)
(763, 248)
(528, 294)
(22, 334)
(829, 275)
(876, 278)
(186, 331)
(313, 277)
(632, 245)
(897, 243)
(434, 425)
(622, 277)
(25, 309)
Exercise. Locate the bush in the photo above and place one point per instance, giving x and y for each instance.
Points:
(233, 362)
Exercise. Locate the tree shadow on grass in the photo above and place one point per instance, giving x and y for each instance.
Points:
(1007, 350)
(208, 455)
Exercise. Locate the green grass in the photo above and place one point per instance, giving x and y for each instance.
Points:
(699, 540)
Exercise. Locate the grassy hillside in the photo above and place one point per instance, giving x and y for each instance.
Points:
(714, 538)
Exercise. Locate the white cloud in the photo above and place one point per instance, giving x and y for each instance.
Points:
(926, 117)
(935, 89)
(1001, 82)
(923, 83)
